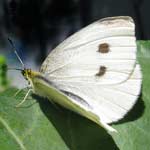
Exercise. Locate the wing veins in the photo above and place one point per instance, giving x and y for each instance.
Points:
(78, 58)
(118, 90)
(95, 40)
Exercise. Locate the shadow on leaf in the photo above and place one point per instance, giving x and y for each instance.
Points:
(135, 113)
(77, 132)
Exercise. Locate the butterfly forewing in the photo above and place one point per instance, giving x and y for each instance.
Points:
(98, 66)
(79, 58)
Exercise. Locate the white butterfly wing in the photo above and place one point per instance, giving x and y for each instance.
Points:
(109, 82)
(78, 58)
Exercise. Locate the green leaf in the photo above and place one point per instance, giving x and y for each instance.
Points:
(40, 125)
(2, 60)
(27, 127)
(3, 74)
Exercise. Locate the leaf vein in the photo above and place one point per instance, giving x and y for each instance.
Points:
(12, 133)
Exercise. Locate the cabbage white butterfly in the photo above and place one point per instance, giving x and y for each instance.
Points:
(94, 72)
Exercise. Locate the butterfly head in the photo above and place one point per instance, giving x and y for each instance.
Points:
(29, 74)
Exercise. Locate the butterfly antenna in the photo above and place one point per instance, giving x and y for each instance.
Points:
(15, 51)
(14, 69)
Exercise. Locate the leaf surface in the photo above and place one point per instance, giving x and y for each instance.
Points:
(39, 125)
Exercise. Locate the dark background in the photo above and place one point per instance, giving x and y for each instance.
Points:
(39, 25)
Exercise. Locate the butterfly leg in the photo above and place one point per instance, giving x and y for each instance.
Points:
(18, 105)
(18, 91)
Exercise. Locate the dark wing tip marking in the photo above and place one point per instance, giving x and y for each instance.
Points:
(102, 71)
(103, 48)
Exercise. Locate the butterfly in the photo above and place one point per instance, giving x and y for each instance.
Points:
(93, 73)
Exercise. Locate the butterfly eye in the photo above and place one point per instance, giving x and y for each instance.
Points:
(23, 72)
(102, 71)
(103, 48)
(29, 83)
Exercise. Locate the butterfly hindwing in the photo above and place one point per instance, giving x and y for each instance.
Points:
(110, 102)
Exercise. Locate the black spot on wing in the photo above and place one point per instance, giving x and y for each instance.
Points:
(103, 48)
(102, 71)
